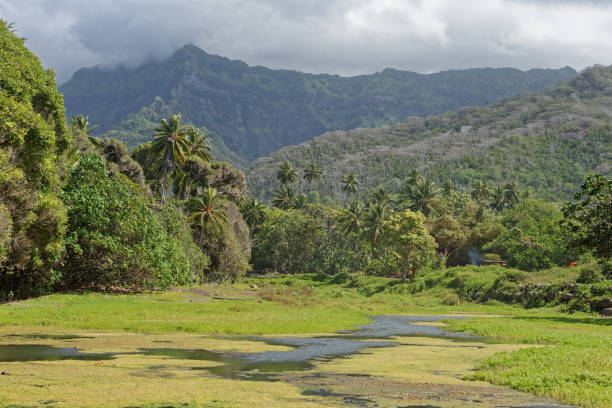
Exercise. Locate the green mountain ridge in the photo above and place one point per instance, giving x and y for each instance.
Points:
(547, 142)
(256, 110)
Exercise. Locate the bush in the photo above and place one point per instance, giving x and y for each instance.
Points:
(113, 238)
(590, 273)
(290, 242)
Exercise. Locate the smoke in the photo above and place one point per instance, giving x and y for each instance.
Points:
(475, 256)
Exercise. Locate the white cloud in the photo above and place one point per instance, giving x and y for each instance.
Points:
(336, 36)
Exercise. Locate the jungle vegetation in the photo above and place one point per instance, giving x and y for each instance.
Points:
(81, 212)
(255, 110)
(547, 142)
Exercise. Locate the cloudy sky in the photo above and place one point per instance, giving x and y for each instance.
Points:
(346, 37)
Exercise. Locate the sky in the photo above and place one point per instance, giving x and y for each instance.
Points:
(345, 37)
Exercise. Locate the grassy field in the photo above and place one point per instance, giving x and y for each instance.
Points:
(574, 365)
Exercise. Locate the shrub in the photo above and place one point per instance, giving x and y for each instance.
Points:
(590, 273)
(113, 237)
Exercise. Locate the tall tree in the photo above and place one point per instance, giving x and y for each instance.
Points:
(286, 174)
(284, 198)
(197, 146)
(172, 139)
(511, 193)
(373, 222)
(350, 219)
(498, 199)
(206, 212)
(81, 123)
(480, 191)
(349, 184)
(312, 173)
(253, 213)
(408, 240)
(420, 196)
(589, 218)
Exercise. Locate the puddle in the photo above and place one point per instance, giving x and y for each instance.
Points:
(296, 366)
(17, 352)
(306, 351)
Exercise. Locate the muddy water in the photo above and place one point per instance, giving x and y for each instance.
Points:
(302, 366)
(257, 366)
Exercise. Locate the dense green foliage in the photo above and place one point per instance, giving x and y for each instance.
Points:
(546, 142)
(32, 134)
(533, 238)
(113, 238)
(590, 218)
(257, 110)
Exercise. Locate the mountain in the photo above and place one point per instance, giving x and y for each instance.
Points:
(256, 110)
(547, 142)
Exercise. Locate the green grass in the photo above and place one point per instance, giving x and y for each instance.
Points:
(575, 366)
(574, 363)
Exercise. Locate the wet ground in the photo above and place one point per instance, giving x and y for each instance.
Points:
(395, 361)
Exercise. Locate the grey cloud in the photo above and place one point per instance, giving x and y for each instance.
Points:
(337, 36)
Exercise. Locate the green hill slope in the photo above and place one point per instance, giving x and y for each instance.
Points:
(546, 142)
(256, 110)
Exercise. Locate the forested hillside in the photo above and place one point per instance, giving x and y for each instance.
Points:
(546, 142)
(256, 110)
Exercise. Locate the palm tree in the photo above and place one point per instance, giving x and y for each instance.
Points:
(381, 195)
(480, 191)
(206, 212)
(284, 198)
(350, 184)
(448, 187)
(253, 212)
(498, 201)
(196, 144)
(286, 174)
(312, 173)
(373, 222)
(512, 193)
(420, 196)
(181, 183)
(299, 201)
(412, 178)
(81, 123)
(172, 139)
(350, 219)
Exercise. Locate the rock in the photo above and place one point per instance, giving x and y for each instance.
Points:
(606, 312)
(604, 303)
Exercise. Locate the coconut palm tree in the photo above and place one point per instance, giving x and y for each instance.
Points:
(350, 219)
(299, 201)
(480, 191)
(412, 178)
(312, 173)
(383, 196)
(420, 196)
(172, 139)
(197, 146)
(498, 201)
(253, 212)
(284, 198)
(206, 212)
(349, 184)
(286, 174)
(81, 123)
(511, 193)
(373, 221)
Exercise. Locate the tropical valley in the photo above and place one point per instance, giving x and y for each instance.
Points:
(197, 232)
